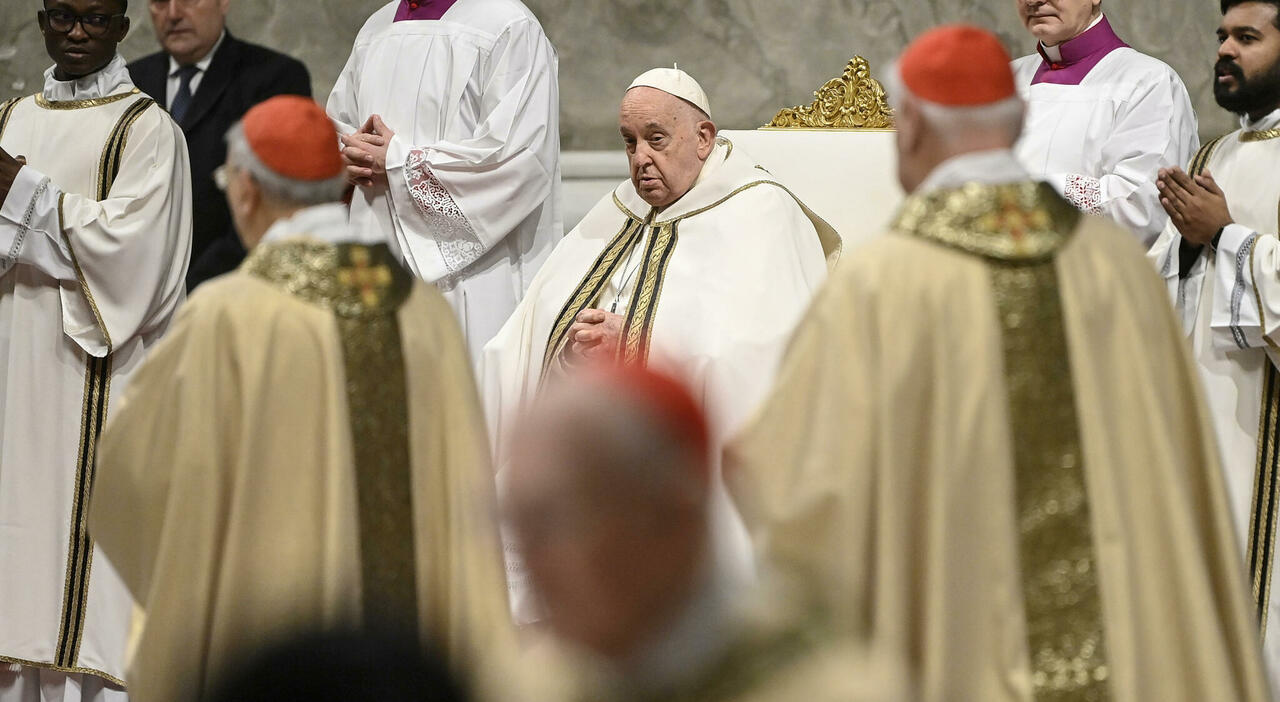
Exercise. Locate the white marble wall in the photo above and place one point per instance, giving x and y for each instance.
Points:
(753, 56)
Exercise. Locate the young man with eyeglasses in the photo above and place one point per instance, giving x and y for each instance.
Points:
(95, 233)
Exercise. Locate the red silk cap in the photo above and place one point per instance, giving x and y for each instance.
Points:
(669, 401)
(958, 65)
(293, 137)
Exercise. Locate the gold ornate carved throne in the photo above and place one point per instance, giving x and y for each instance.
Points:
(836, 154)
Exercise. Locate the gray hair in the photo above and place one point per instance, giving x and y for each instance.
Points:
(954, 123)
(284, 190)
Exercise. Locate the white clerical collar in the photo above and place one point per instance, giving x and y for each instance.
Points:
(112, 79)
(327, 223)
(1055, 53)
(992, 167)
(203, 64)
(1269, 121)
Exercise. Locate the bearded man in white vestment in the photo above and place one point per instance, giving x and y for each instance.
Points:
(1102, 118)
(95, 234)
(986, 452)
(1221, 261)
(699, 264)
(450, 112)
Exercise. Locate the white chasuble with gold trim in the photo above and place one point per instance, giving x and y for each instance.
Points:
(94, 241)
(711, 287)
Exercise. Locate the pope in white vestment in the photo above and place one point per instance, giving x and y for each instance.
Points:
(94, 242)
(708, 288)
(471, 200)
(1102, 120)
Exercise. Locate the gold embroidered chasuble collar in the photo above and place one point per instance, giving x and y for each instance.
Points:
(1015, 222)
(354, 280)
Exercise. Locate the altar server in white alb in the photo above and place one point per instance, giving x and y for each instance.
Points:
(450, 116)
(1102, 118)
(699, 265)
(95, 233)
(1220, 258)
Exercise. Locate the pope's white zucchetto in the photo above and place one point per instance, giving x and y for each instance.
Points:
(674, 81)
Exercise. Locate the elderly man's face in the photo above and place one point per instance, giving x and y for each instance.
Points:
(188, 29)
(1056, 21)
(667, 142)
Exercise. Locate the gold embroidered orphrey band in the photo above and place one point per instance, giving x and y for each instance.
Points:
(97, 394)
(42, 101)
(1261, 135)
(6, 111)
(365, 287)
(1063, 605)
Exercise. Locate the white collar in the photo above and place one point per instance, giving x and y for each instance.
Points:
(327, 223)
(203, 64)
(991, 167)
(1055, 52)
(112, 79)
(1269, 121)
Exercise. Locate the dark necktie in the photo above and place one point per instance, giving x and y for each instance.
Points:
(182, 98)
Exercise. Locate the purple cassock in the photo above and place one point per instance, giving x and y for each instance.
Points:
(1079, 55)
(422, 9)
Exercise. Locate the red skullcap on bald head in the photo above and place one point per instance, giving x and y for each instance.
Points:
(957, 65)
(293, 137)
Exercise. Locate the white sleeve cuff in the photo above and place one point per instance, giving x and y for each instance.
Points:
(1236, 321)
(31, 206)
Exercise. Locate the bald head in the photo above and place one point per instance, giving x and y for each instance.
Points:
(608, 496)
(667, 141)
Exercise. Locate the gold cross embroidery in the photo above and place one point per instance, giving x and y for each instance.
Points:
(369, 279)
(1014, 219)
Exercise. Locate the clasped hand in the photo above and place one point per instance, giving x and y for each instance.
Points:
(365, 153)
(594, 335)
(1196, 205)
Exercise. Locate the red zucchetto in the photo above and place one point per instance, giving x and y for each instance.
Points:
(957, 65)
(293, 137)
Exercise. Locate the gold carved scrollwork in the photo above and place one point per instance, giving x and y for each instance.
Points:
(855, 100)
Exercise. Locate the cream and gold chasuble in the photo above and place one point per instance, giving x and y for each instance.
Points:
(323, 465)
(987, 455)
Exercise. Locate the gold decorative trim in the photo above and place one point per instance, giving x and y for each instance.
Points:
(75, 595)
(353, 280)
(1019, 222)
(47, 104)
(1266, 497)
(1201, 159)
(588, 290)
(75, 670)
(6, 111)
(637, 331)
(1062, 601)
(855, 100)
(1262, 135)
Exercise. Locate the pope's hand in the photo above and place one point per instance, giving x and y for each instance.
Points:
(1197, 206)
(365, 153)
(9, 167)
(594, 335)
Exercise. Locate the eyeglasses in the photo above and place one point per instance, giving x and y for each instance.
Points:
(94, 24)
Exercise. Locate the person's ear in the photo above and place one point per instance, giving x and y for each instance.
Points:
(123, 31)
(706, 138)
(910, 125)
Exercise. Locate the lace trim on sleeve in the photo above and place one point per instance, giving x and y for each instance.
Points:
(447, 225)
(1085, 193)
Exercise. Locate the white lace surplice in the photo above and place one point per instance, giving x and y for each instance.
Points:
(472, 200)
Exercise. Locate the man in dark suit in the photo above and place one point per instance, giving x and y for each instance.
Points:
(208, 79)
